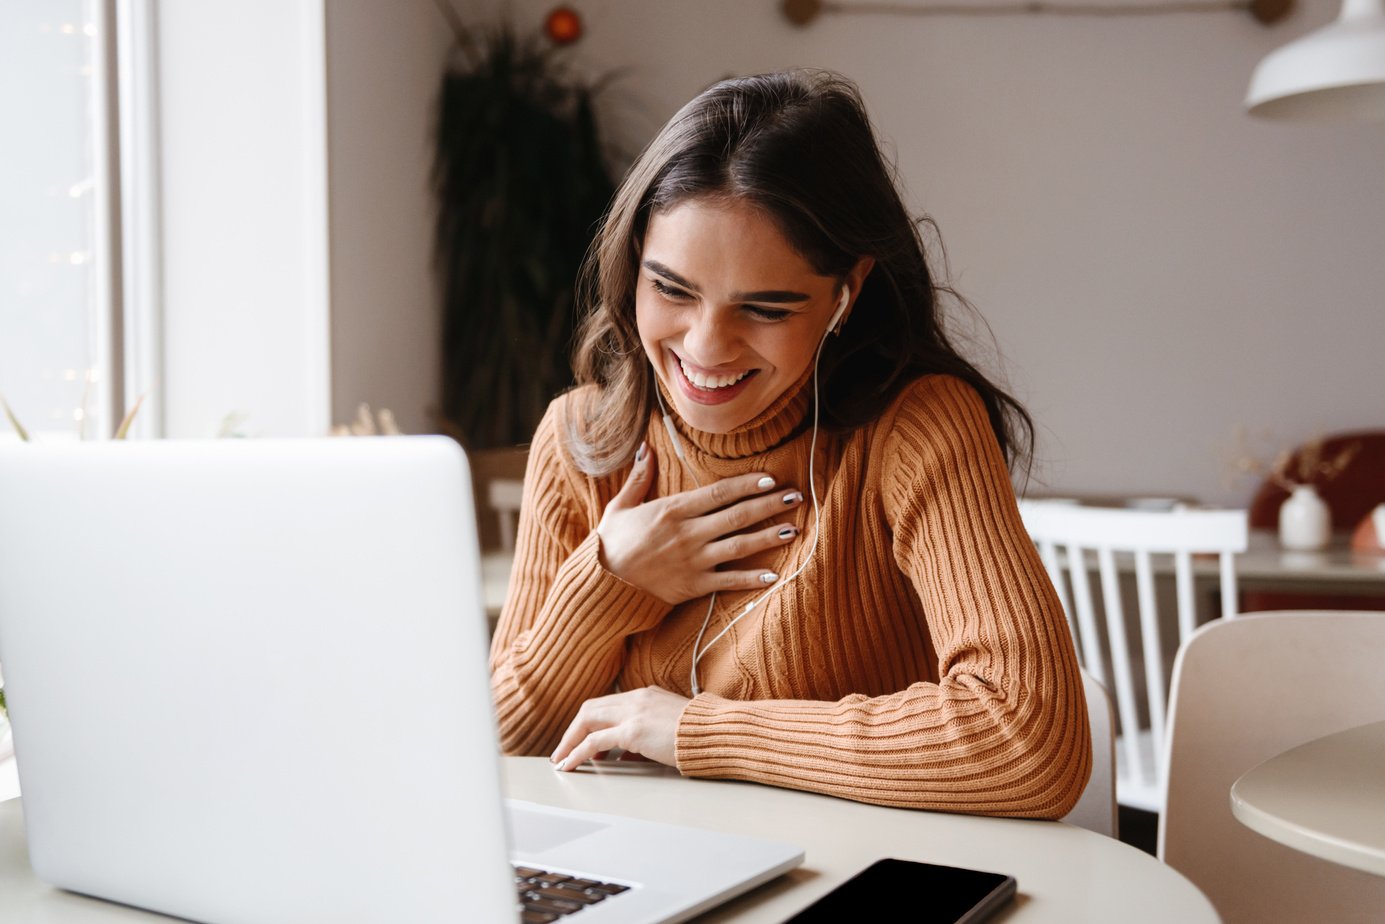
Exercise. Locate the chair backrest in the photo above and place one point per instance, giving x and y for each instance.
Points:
(1243, 692)
(1096, 810)
(503, 495)
(1073, 539)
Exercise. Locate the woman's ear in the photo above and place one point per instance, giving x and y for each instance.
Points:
(855, 278)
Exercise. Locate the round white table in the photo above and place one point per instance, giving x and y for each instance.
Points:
(1325, 798)
(1066, 874)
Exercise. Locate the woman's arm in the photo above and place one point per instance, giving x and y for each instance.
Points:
(1004, 730)
(561, 636)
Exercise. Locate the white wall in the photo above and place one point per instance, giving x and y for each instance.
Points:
(244, 232)
(1156, 266)
(296, 146)
(384, 67)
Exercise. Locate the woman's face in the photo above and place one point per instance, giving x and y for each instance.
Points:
(729, 314)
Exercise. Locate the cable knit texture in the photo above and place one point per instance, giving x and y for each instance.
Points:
(920, 660)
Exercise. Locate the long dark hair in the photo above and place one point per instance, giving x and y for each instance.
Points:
(798, 145)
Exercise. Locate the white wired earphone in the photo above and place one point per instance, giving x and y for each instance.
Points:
(698, 648)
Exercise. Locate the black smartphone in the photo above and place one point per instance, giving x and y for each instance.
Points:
(920, 893)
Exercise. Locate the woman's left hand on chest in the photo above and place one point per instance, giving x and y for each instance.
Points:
(643, 722)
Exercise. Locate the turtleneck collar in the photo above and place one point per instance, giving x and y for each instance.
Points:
(768, 429)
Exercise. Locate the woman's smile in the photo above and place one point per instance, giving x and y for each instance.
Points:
(707, 386)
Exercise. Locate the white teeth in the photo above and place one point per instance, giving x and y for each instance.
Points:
(711, 381)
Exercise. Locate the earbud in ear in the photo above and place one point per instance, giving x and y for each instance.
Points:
(835, 325)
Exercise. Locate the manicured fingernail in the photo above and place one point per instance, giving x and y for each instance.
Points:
(793, 497)
(765, 483)
(640, 453)
(769, 577)
(788, 532)
(560, 765)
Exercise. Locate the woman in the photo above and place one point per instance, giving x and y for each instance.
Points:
(771, 536)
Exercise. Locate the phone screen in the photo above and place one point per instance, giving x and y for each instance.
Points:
(922, 893)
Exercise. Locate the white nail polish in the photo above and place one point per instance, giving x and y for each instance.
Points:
(769, 577)
(765, 483)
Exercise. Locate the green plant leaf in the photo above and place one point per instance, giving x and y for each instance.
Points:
(14, 422)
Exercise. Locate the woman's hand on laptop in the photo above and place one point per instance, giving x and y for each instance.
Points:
(643, 722)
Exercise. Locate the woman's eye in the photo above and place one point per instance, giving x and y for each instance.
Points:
(667, 291)
(768, 314)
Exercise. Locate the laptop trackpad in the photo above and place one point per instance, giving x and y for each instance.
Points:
(534, 832)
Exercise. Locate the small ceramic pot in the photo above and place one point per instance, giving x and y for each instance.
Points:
(1305, 524)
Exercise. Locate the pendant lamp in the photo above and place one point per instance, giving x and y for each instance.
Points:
(1337, 72)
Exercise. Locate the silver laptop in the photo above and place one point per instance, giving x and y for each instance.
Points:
(248, 683)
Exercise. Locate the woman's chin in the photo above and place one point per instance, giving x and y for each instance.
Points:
(716, 418)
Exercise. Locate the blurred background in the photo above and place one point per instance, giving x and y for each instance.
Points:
(228, 208)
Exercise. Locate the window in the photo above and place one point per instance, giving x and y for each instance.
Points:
(58, 337)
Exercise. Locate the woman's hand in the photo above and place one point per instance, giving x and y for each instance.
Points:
(671, 546)
(642, 722)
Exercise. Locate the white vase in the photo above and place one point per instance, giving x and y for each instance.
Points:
(1305, 524)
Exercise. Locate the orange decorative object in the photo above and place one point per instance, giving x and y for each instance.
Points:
(1370, 533)
(563, 25)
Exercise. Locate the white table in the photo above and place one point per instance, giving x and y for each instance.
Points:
(1065, 874)
(1325, 798)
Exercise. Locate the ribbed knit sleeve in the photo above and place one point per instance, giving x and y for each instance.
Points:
(1003, 730)
(561, 635)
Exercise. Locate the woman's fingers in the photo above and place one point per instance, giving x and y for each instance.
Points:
(591, 747)
(643, 721)
(748, 512)
(742, 545)
(701, 501)
(724, 581)
(641, 478)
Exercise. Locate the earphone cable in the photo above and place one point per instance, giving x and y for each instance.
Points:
(698, 649)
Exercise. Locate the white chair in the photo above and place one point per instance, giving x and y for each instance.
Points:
(503, 495)
(1244, 691)
(1071, 539)
(1096, 809)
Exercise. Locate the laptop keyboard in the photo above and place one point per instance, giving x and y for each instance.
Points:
(548, 897)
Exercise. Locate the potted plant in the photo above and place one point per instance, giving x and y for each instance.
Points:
(521, 182)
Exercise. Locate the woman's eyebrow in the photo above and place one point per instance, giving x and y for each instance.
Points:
(656, 267)
(773, 296)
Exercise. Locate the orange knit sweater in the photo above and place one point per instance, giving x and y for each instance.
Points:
(920, 660)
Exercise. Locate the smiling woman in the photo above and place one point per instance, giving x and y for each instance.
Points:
(751, 549)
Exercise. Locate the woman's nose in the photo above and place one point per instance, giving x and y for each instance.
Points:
(710, 341)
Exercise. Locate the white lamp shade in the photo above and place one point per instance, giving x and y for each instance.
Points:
(1336, 72)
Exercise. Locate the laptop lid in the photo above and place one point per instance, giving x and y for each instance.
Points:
(247, 678)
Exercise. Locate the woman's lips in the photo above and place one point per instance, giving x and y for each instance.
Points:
(708, 395)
